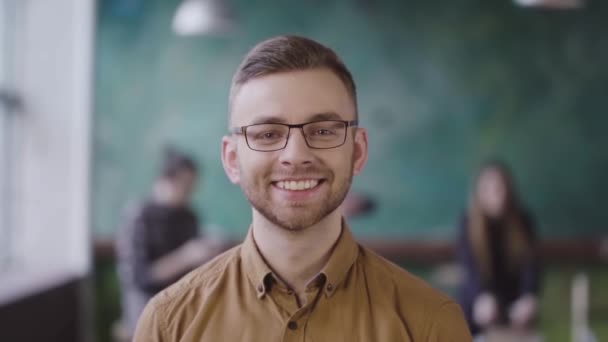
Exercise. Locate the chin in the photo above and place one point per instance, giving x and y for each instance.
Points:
(294, 223)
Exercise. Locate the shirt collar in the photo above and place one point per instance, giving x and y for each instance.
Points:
(256, 268)
(342, 257)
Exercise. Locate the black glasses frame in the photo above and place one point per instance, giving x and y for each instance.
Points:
(242, 130)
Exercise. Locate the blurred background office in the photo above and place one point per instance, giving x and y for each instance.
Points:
(91, 91)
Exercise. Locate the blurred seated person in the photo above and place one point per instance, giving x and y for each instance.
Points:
(497, 248)
(160, 241)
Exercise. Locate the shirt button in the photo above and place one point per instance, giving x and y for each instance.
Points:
(292, 325)
(330, 287)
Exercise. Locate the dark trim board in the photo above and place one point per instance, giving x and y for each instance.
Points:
(581, 250)
(53, 315)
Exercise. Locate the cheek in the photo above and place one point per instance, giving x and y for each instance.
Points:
(489, 195)
(253, 167)
(340, 165)
(496, 191)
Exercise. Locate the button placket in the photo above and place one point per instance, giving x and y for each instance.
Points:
(293, 330)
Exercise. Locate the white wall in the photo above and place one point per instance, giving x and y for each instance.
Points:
(53, 73)
(56, 75)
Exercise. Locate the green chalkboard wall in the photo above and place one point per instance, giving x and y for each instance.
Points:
(442, 85)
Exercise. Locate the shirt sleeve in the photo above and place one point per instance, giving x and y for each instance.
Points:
(135, 252)
(150, 326)
(448, 325)
(142, 260)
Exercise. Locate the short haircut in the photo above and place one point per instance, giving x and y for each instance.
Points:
(290, 53)
(175, 161)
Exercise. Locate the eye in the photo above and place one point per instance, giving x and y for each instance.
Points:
(268, 135)
(324, 131)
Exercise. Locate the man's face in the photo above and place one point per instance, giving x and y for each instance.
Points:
(297, 186)
(176, 190)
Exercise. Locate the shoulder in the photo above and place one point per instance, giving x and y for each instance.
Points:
(406, 284)
(529, 223)
(129, 229)
(136, 214)
(142, 208)
(200, 279)
(528, 218)
(188, 211)
(422, 308)
(181, 299)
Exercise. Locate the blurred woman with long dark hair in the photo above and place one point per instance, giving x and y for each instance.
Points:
(497, 247)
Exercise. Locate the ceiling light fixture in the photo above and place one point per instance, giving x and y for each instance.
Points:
(203, 17)
(555, 4)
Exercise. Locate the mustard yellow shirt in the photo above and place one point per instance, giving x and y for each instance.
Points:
(358, 296)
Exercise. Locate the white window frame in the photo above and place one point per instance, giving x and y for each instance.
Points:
(8, 132)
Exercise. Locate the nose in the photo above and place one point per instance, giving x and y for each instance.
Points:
(296, 153)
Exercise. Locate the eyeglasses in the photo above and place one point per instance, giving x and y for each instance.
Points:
(268, 137)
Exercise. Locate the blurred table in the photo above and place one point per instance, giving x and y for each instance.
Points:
(510, 335)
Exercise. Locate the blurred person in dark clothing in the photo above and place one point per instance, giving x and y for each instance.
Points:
(160, 241)
(497, 247)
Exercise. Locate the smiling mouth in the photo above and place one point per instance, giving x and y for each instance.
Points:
(298, 185)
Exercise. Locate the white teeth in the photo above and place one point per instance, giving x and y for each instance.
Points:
(297, 185)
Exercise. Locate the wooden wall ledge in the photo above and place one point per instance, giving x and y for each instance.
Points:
(587, 250)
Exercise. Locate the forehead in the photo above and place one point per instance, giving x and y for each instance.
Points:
(185, 173)
(491, 175)
(292, 97)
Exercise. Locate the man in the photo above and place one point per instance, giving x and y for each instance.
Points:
(160, 241)
(299, 275)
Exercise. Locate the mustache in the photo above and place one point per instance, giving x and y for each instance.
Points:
(300, 171)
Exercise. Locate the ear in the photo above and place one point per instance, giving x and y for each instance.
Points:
(360, 152)
(230, 159)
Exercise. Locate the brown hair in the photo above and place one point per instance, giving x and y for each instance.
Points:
(290, 53)
(519, 246)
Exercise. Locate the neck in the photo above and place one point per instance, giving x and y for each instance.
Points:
(297, 256)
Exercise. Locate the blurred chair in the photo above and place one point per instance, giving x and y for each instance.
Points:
(120, 332)
(581, 332)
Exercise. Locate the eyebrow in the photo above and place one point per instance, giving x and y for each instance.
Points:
(326, 116)
(315, 117)
(268, 119)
